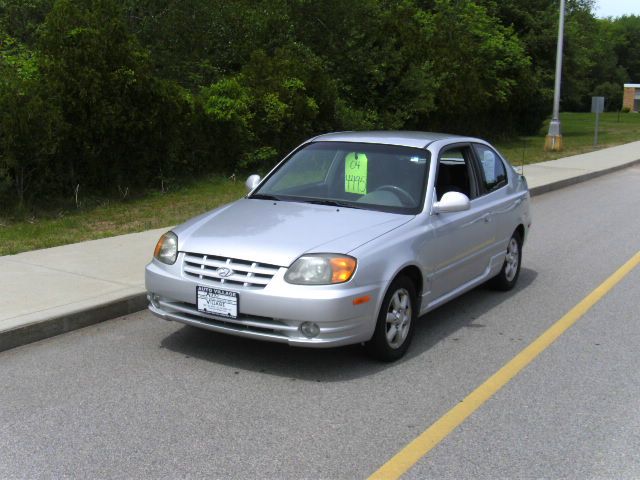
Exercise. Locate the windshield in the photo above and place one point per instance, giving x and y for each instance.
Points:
(356, 175)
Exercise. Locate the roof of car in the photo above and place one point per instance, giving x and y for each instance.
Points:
(404, 138)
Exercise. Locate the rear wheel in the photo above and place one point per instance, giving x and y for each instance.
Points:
(395, 324)
(510, 272)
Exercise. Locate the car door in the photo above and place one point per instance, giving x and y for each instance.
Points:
(456, 252)
(496, 197)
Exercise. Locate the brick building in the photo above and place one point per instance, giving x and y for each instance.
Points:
(631, 97)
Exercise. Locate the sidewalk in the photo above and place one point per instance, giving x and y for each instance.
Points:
(56, 290)
(554, 174)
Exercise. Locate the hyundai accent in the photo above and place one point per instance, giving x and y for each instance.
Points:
(349, 239)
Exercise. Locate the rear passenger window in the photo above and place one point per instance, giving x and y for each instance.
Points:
(492, 172)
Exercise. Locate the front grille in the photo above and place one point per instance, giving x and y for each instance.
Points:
(245, 273)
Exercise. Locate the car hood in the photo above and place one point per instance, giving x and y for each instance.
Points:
(277, 233)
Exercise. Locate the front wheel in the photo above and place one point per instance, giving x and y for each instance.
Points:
(510, 272)
(395, 324)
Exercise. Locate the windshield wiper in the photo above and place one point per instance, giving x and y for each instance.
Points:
(264, 196)
(331, 203)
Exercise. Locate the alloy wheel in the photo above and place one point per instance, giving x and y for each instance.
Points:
(398, 319)
(512, 259)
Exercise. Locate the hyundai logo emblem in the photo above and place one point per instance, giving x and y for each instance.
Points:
(224, 272)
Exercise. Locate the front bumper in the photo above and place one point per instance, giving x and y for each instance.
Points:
(274, 313)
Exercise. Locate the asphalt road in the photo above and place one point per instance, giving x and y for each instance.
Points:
(138, 397)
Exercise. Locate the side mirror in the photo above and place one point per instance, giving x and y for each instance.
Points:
(452, 202)
(252, 182)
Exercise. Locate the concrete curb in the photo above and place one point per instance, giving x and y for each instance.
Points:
(137, 302)
(73, 321)
(549, 187)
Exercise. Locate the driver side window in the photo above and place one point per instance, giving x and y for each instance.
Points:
(455, 173)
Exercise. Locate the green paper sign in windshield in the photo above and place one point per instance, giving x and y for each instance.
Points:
(355, 173)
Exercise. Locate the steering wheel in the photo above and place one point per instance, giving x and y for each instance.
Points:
(402, 194)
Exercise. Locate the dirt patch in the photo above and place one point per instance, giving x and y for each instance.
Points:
(102, 226)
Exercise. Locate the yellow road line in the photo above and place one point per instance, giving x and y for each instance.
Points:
(432, 436)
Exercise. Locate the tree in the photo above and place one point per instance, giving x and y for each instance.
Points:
(20, 19)
(379, 55)
(28, 123)
(275, 102)
(113, 94)
(197, 42)
(627, 38)
(115, 111)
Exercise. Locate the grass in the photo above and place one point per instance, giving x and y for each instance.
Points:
(577, 137)
(156, 210)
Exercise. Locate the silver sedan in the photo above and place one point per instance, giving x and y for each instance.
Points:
(349, 239)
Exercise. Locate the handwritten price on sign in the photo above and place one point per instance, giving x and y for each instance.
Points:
(355, 173)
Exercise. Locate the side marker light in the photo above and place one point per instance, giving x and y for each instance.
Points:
(361, 300)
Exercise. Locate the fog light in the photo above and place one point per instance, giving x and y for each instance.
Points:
(153, 299)
(310, 329)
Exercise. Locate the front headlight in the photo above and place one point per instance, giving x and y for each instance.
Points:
(321, 269)
(167, 248)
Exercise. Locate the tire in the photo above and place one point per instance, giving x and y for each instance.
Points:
(395, 323)
(510, 271)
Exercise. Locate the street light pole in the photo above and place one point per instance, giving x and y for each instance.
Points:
(553, 141)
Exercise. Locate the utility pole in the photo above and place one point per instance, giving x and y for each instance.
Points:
(553, 141)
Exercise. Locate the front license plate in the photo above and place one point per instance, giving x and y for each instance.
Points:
(217, 302)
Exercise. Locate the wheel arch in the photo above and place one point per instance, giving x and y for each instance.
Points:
(521, 231)
(378, 345)
(414, 274)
